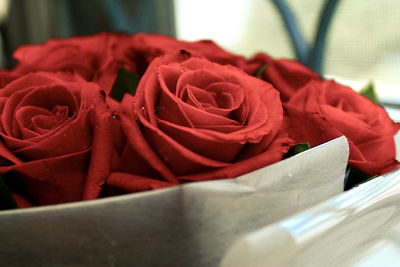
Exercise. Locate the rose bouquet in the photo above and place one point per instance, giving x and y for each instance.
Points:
(109, 114)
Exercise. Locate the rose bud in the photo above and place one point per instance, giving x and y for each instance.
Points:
(194, 120)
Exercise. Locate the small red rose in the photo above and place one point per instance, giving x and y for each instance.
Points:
(51, 138)
(324, 110)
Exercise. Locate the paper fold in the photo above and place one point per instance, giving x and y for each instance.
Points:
(357, 228)
(189, 225)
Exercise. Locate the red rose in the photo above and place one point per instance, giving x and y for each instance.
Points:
(96, 58)
(49, 127)
(193, 120)
(286, 75)
(323, 110)
(154, 45)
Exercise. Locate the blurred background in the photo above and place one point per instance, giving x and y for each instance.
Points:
(363, 43)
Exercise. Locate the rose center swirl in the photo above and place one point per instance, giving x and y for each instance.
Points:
(219, 98)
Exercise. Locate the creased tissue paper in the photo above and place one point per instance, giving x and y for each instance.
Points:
(189, 225)
(357, 228)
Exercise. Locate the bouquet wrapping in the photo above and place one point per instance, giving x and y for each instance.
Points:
(189, 225)
(113, 114)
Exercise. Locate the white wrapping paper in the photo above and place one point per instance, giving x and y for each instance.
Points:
(357, 228)
(189, 225)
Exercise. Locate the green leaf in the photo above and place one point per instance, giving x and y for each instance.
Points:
(6, 199)
(296, 149)
(260, 71)
(126, 82)
(300, 147)
(369, 92)
(354, 177)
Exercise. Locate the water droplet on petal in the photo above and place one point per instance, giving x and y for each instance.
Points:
(114, 115)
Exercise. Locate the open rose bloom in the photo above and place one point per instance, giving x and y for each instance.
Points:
(196, 140)
(195, 120)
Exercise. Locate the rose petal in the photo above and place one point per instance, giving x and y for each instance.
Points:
(200, 78)
(200, 143)
(197, 97)
(219, 98)
(279, 146)
(154, 45)
(24, 119)
(168, 108)
(141, 166)
(54, 180)
(50, 96)
(347, 122)
(100, 161)
(42, 124)
(7, 158)
(134, 183)
(10, 126)
(21, 201)
(221, 128)
(137, 141)
(288, 76)
(75, 136)
(58, 57)
(228, 96)
(171, 108)
(179, 159)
